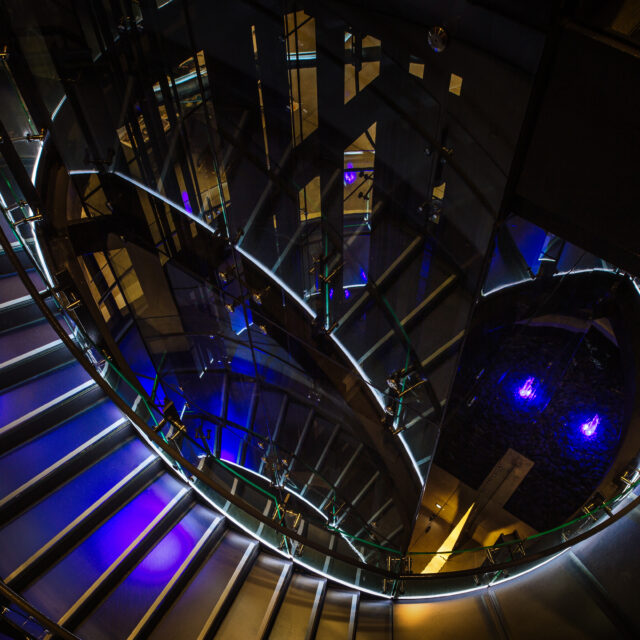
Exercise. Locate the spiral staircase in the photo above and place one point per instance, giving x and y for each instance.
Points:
(106, 530)
(101, 539)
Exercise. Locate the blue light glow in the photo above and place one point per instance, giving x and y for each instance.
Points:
(377, 395)
(346, 293)
(529, 389)
(589, 428)
(350, 176)
(363, 275)
(330, 294)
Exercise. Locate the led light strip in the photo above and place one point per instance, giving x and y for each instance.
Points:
(447, 594)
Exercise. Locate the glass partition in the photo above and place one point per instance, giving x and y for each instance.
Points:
(358, 267)
(261, 494)
(324, 233)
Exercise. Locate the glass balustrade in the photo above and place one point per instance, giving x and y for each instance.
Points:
(338, 290)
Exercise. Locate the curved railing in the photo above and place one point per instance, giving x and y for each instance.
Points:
(256, 507)
(381, 570)
(245, 505)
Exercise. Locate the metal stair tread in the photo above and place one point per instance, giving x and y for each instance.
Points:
(24, 342)
(187, 569)
(12, 290)
(20, 403)
(120, 612)
(78, 451)
(298, 606)
(53, 444)
(245, 618)
(25, 534)
(60, 587)
(193, 606)
(338, 615)
(80, 608)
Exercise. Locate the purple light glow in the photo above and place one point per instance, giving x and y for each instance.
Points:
(589, 428)
(330, 294)
(346, 293)
(350, 176)
(185, 200)
(363, 275)
(528, 390)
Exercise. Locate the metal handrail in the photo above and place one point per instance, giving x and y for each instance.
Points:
(257, 514)
(151, 435)
(47, 624)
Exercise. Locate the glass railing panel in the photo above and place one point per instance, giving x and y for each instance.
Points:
(340, 570)
(21, 129)
(447, 560)
(253, 526)
(440, 585)
(67, 132)
(240, 482)
(444, 561)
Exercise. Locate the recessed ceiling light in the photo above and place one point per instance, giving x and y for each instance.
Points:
(438, 506)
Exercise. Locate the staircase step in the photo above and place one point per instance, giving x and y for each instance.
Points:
(204, 596)
(55, 591)
(29, 351)
(33, 529)
(375, 620)
(249, 613)
(338, 615)
(23, 311)
(21, 341)
(6, 268)
(53, 445)
(17, 403)
(119, 615)
(181, 577)
(82, 526)
(35, 406)
(155, 530)
(298, 614)
(62, 470)
(6, 227)
(12, 289)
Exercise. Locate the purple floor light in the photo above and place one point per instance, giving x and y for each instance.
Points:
(350, 176)
(589, 428)
(528, 390)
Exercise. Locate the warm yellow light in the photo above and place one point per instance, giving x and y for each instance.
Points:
(438, 561)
